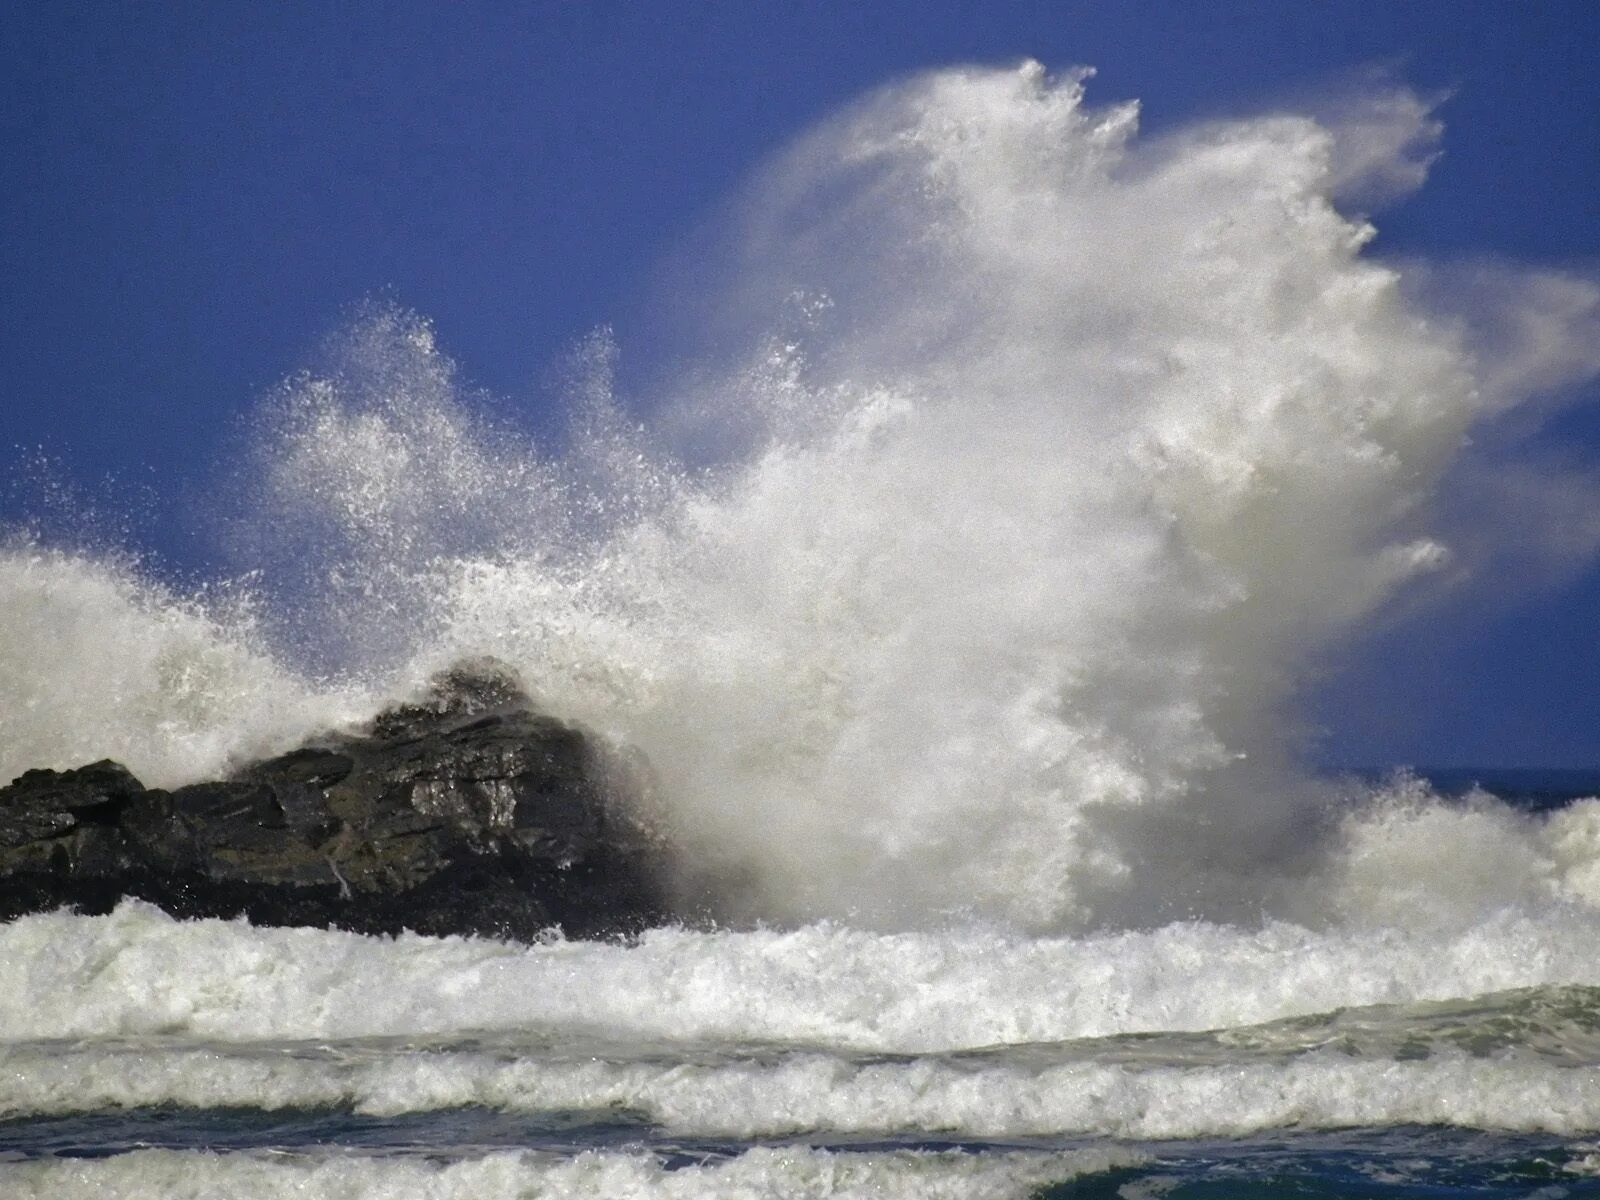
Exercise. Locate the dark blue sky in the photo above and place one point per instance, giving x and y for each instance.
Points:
(194, 194)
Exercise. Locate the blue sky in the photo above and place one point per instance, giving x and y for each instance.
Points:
(195, 194)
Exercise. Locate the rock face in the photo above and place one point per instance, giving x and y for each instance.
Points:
(466, 812)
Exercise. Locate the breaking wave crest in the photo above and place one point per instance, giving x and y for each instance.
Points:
(981, 590)
(605, 1176)
(1189, 1031)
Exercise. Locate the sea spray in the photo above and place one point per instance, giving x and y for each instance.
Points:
(990, 582)
(97, 661)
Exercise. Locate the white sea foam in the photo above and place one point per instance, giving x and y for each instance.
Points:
(138, 972)
(995, 576)
(818, 1092)
(821, 1028)
(788, 1172)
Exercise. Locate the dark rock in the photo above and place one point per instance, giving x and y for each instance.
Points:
(463, 812)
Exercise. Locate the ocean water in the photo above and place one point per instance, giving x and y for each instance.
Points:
(148, 1057)
(957, 604)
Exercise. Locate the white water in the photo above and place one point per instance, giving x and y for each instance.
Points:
(611, 1176)
(818, 1092)
(992, 589)
(766, 1034)
(962, 623)
(139, 973)
(960, 601)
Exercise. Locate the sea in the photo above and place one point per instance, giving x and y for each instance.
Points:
(956, 592)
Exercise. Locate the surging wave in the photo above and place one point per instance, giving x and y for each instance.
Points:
(982, 591)
(793, 1171)
(1185, 1032)
(139, 974)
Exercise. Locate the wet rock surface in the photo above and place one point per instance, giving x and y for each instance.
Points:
(465, 812)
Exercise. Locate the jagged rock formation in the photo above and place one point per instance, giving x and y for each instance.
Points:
(466, 812)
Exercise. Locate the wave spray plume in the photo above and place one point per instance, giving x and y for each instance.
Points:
(997, 569)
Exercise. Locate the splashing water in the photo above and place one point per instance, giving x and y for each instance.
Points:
(993, 579)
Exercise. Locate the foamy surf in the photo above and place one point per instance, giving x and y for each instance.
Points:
(750, 1095)
(138, 972)
(604, 1176)
(1187, 1031)
(963, 612)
